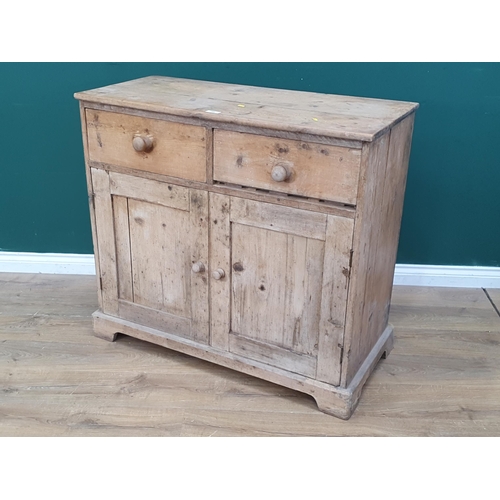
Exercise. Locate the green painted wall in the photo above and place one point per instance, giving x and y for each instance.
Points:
(452, 204)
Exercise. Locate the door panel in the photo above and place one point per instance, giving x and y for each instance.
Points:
(160, 266)
(276, 287)
(158, 233)
(122, 242)
(287, 286)
(258, 292)
(305, 258)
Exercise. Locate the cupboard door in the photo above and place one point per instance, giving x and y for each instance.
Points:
(283, 302)
(154, 237)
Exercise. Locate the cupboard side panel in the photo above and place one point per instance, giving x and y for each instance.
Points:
(90, 191)
(397, 170)
(361, 330)
(382, 184)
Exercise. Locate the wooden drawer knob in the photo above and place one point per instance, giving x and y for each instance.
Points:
(280, 173)
(198, 267)
(218, 274)
(142, 143)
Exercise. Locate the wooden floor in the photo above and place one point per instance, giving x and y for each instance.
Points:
(57, 379)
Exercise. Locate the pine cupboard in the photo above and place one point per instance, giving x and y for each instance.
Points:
(251, 227)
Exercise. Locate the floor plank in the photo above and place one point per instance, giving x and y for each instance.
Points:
(445, 309)
(57, 379)
(494, 294)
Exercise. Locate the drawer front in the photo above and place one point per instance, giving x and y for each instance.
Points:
(157, 146)
(289, 166)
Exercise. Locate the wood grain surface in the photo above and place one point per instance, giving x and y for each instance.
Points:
(494, 295)
(57, 379)
(316, 170)
(344, 117)
(176, 145)
(376, 236)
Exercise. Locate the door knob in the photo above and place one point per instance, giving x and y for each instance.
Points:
(280, 173)
(142, 143)
(198, 267)
(218, 274)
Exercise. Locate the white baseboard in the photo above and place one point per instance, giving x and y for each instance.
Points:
(451, 276)
(406, 274)
(47, 263)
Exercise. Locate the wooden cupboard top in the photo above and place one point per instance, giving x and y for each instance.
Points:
(328, 115)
